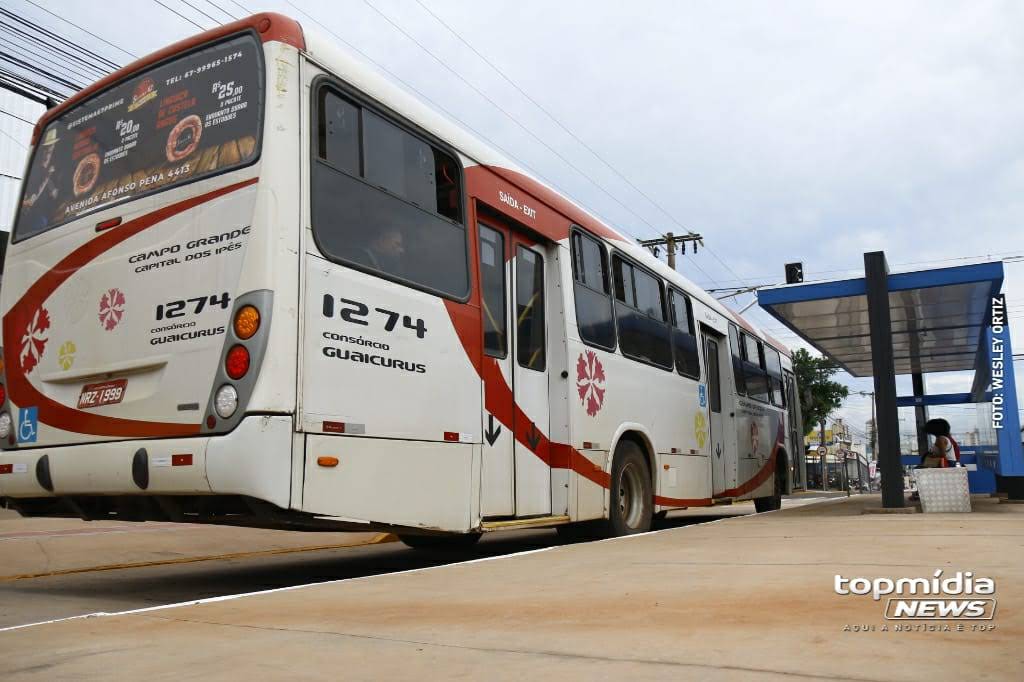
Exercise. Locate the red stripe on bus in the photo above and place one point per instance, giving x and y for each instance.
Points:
(499, 401)
(20, 315)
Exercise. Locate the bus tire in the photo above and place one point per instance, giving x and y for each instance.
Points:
(772, 502)
(631, 497)
(452, 541)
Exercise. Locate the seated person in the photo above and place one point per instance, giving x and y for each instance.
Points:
(385, 252)
(945, 451)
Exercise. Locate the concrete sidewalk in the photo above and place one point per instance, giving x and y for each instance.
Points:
(43, 547)
(744, 598)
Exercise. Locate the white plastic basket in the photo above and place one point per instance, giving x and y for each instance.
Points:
(943, 490)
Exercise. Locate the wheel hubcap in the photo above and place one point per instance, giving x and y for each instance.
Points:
(631, 503)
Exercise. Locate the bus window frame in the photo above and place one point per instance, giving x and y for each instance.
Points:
(575, 229)
(781, 377)
(758, 363)
(257, 154)
(480, 226)
(346, 91)
(616, 253)
(674, 291)
(542, 263)
(737, 367)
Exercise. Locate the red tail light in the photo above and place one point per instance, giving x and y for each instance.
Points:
(236, 364)
(3, 394)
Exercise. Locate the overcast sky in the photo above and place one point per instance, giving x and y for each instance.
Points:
(781, 131)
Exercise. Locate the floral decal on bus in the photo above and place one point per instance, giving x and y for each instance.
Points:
(111, 308)
(590, 382)
(33, 343)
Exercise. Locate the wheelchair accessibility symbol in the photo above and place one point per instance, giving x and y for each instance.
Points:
(28, 423)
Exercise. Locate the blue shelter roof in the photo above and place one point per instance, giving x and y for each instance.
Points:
(938, 317)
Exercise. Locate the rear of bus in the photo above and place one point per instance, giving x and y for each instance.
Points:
(150, 287)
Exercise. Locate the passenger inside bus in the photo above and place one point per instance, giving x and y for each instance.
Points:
(385, 251)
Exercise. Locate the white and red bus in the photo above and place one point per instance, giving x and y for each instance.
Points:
(253, 282)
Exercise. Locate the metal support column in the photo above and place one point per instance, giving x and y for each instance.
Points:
(883, 367)
(920, 413)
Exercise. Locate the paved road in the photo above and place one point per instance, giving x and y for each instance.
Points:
(32, 600)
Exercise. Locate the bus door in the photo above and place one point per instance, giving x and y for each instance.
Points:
(516, 480)
(716, 356)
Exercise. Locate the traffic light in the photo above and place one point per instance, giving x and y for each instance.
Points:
(794, 273)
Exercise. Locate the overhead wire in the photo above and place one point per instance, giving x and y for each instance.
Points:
(27, 66)
(52, 47)
(622, 176)
(180, 15)
(29, 89)
(102, 40)
(15, 116)
(426, 98)
(24, 51)
(221, 9)
(513, 119)
(13, 139)
(196, 9)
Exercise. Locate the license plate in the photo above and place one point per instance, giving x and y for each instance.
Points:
(107, 393)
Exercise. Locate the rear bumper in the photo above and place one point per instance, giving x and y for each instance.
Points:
(253, 460)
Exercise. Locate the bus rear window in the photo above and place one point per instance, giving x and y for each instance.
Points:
(186, 119)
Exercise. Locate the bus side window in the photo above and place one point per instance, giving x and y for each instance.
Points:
(530, 309)
(753, 369)
(773, 364)
(644, 333)
(684, 341)
(737, 360)
(338, 133)
(386, 200)
(590, 290)
(492, 294)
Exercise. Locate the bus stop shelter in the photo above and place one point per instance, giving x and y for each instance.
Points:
(916, 323)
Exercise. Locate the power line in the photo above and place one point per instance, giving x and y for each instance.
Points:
(179, 14)
(102, 40)
(189, 4)
(67, 70)
(29, 89)
(1005, 255)
(436, 105)
(76, 59)
(245, 10)
(565, 128)
(221, 9)
(15, 116)
(12, 138)
(27, 66)
(511, 118)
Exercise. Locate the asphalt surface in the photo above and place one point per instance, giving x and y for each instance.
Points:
(32, 600)
(751, 598)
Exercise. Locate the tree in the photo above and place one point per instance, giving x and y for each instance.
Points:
(819, 395)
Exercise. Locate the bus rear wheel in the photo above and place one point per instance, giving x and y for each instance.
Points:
(452, 541)
(774, 501)
(631, 497)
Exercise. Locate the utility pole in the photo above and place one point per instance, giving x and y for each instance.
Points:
(823, 457)
(670, 241)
